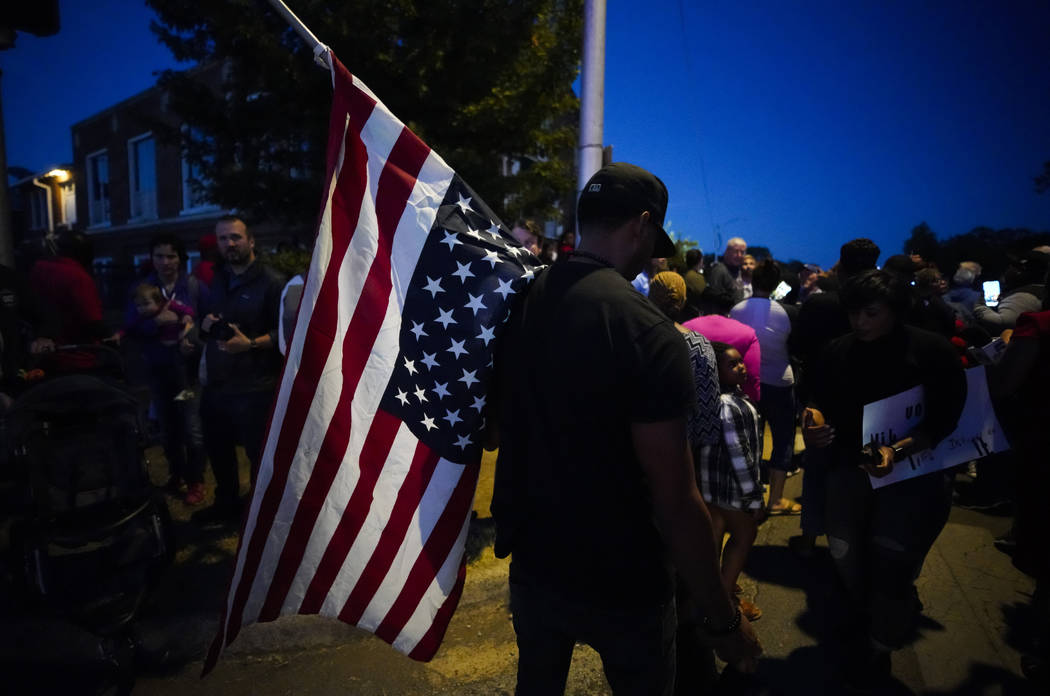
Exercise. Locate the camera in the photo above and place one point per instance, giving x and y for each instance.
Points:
(221, 330)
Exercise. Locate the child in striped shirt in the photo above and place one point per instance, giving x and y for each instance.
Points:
(728, 472)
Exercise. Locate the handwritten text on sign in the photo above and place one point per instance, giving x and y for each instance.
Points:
(977, 435)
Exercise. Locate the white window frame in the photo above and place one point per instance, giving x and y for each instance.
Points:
(148, 212)
(106, 202)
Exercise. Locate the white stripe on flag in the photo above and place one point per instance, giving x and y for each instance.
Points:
(434, 597)
(432, 504)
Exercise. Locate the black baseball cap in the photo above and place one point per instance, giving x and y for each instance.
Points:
(626, 189)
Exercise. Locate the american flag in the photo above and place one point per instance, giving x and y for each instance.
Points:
(363, 497)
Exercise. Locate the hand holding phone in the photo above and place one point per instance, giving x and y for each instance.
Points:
(991, 292)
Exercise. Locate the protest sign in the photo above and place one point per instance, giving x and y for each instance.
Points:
(978, 433)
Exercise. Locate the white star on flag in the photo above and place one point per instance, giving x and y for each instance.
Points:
(463, 271)
(464, 203)
(469, 378)
(433, 286)
(457, 348)
(410, 365)
(450, 239)
(429, 361)
(452, 417)
(492, 257)
(504, 288)
(445, 318)
(474, 303)
(486, 335)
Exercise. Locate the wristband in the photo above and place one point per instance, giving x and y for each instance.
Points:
(734, 624)
(252, 344)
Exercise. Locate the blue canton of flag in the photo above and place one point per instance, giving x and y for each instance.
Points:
(463, 287)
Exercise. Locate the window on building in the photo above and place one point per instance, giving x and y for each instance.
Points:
(98, 188)
(142, 177)
(68, 193)
(37, 209)
(194, 182)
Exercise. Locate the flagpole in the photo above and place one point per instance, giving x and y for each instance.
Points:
(592, 93)
(321, 51)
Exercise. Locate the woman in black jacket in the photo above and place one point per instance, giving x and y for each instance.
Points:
(879, 537)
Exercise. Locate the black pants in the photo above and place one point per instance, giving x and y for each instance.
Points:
(637, 646)
(230, 420)
(879, 540)
(180, 424)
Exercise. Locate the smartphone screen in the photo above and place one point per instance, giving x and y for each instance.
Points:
(991, 292)
(781, 291)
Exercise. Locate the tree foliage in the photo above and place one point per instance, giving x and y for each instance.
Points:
(477, 80)
(1042, 182)
(922, 241)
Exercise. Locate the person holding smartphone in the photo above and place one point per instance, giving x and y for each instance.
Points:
(1023, 291)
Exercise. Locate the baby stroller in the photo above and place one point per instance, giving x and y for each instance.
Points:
(89, 536)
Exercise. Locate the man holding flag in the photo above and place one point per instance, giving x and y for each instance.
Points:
(595, 495)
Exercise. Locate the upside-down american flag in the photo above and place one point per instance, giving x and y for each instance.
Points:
(364, 492)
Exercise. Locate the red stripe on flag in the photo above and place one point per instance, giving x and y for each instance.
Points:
(346, 208)
(390, 539)
(393, 189)
(374, 454)
(428, 644)
(434, 554)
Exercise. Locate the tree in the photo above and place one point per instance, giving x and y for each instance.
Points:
(484, 83)
(1042, 182)
(922, 242)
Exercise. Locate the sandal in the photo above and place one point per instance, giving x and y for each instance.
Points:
(750, 610)
(789, 509)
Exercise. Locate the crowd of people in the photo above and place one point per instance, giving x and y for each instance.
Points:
(630, 480)
(207, 342)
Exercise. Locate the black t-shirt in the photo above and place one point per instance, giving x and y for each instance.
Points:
(583, 357)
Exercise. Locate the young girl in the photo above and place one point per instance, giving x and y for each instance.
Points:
(728, 472)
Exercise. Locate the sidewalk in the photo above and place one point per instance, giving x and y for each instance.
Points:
(971, 633)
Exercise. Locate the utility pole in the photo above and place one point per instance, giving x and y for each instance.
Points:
(7, 241)
(592, 93)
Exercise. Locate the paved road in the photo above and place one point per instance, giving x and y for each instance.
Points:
(972, 631)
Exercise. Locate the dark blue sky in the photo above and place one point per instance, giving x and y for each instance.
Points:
(816, 122)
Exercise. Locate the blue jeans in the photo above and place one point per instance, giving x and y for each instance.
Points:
(637, 645)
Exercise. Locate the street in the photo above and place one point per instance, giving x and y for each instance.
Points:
(972, 631)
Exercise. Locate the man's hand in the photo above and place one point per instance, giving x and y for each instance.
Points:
(42, 345)
(186, 347)
(883, 467)
(209, 320)
(238, 343)
(815, 432)
(740, 648)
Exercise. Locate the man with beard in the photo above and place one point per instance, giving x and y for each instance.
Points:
(241, 363)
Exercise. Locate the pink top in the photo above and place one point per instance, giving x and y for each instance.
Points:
(715, 327)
